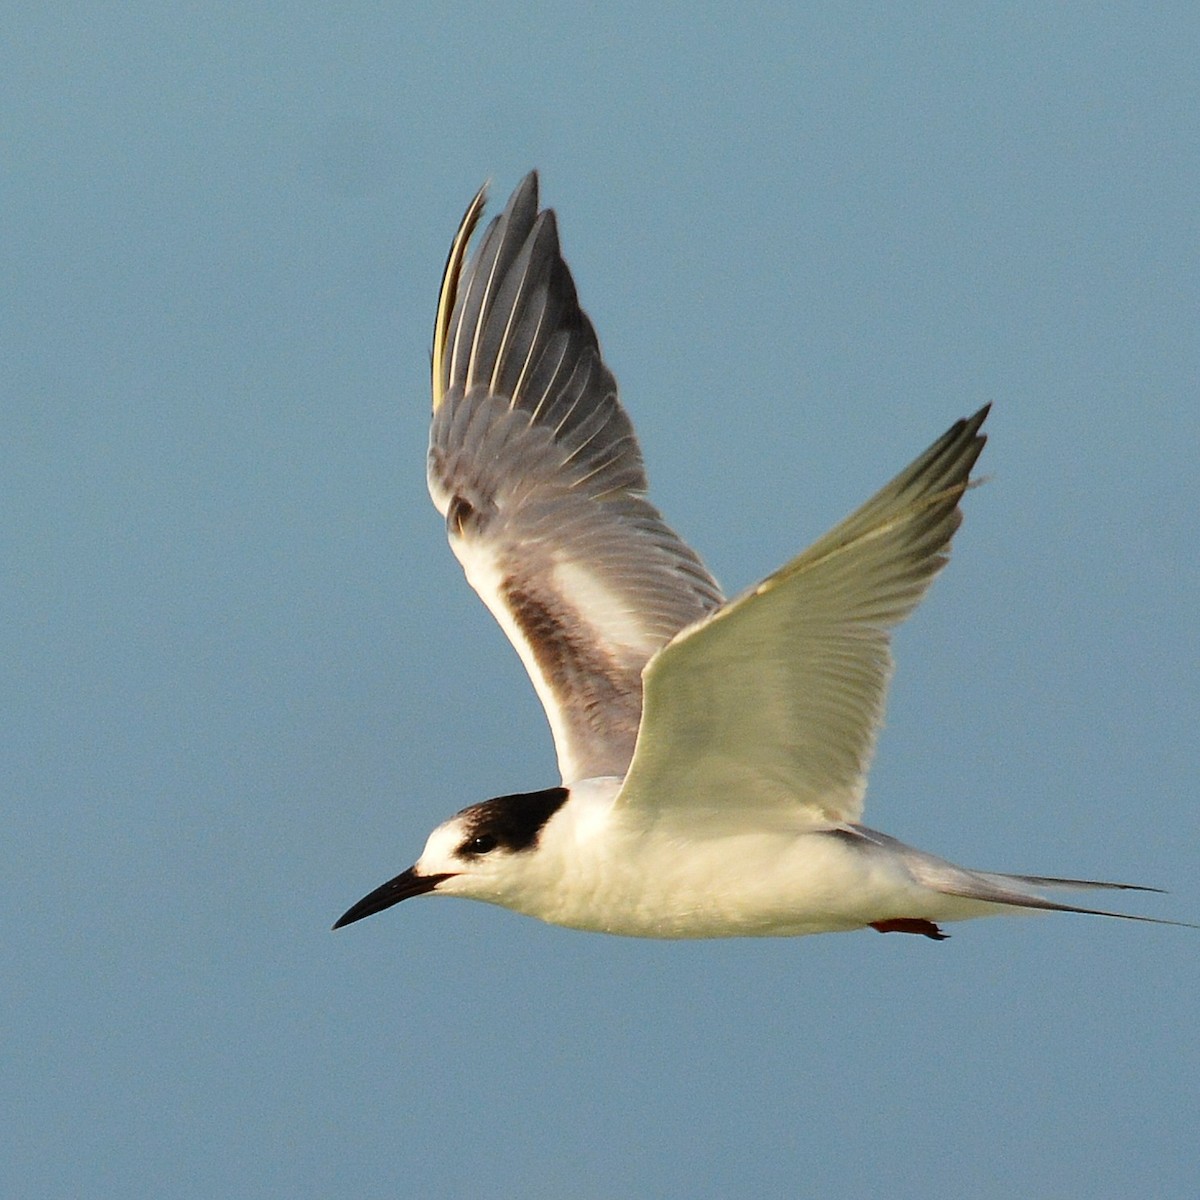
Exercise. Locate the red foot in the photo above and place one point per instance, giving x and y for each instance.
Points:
(910, 925)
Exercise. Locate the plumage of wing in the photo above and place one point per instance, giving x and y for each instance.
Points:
(772, 705)
(535, 467)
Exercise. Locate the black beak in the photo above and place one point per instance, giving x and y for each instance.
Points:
(392, 892)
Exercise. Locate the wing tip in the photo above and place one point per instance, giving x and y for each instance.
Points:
(448, 292)
(525, 194)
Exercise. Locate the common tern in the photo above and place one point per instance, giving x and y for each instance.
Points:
(713, 752)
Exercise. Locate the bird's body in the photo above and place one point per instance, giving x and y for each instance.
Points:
(598, 868)
(713, 752)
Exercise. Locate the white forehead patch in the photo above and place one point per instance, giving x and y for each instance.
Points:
(441, 846)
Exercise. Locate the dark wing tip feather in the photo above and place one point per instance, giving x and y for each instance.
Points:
(510, 325)
(448, 293)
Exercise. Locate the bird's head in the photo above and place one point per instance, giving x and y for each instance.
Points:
(479, 853)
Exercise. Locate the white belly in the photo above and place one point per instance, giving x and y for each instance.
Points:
(748, 885)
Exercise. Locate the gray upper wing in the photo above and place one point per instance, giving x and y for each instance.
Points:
(535, 466)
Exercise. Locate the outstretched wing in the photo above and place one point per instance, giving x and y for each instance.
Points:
(535, 467)
(772, 705)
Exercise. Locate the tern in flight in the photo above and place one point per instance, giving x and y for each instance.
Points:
(713, 752)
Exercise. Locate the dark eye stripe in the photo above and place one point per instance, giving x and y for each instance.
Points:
(511, 822)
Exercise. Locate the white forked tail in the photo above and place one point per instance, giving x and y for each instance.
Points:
(1019, 891)
(1014, 891)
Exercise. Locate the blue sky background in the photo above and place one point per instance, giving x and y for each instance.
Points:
(243, 676)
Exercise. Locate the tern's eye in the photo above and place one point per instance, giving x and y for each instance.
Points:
(483, 844)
